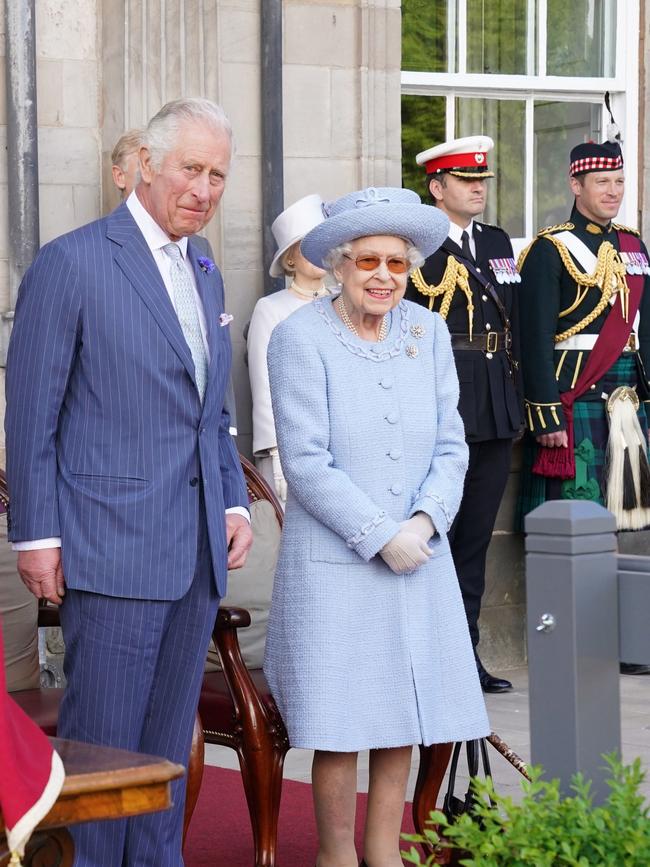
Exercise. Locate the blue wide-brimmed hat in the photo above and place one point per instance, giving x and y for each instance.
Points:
(376, 211)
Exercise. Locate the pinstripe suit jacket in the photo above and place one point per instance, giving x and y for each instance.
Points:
(106, 435)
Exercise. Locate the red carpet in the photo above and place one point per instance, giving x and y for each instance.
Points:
(220, 834)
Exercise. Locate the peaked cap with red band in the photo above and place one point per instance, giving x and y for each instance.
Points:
(593, 157)
(463, 157)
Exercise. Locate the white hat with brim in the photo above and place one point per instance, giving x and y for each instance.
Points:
(463, 157)
(376, 211)
(292, 225)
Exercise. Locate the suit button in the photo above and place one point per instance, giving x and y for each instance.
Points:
(194, 482)
(484, 298)
(487, 326)
(396, 488)
(489, 356)
(392, 417)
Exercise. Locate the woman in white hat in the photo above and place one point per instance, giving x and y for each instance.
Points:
(367, 644)
(289, 228)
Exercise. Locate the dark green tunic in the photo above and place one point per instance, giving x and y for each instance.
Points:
(547, 289)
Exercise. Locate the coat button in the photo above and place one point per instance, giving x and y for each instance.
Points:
(394, 454)
(489, 356)
(484, 298)
(396, 488)
(386, 382)
(488, 326)
(194, 482)
(392, 417)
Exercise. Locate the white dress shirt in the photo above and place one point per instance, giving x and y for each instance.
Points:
(155, 239)
(456, 231)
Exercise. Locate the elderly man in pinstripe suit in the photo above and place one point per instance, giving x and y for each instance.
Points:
(128, 500)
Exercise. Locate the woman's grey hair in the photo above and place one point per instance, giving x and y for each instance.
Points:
(334, 258)
(161, 132)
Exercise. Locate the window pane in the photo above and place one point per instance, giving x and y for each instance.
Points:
(559, 126)
(504, 121)
(496, 36)
(424, 35)
(423, 126)
(581, 37)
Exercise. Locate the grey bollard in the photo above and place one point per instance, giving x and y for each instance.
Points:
(573, 662)
(633, 608)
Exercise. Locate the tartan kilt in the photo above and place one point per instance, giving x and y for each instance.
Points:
(589, 422)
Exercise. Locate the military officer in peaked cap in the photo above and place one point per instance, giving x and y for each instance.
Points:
(472, 281)
(585, 324)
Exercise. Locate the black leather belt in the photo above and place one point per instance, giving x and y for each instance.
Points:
(492, 341)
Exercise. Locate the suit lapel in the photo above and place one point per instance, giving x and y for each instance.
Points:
(452, 248)
(134, 258)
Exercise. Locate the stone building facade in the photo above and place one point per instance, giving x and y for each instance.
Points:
(107, 65)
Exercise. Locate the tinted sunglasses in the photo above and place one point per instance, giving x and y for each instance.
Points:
(395, 264)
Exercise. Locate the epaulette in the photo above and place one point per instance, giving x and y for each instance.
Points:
(619, 228)
(491, 226)
(559, 227)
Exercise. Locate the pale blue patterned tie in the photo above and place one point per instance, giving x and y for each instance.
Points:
(188, 315)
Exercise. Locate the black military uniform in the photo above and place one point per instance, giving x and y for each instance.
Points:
(477, 295)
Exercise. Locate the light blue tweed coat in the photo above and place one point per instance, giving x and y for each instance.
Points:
(369, 433)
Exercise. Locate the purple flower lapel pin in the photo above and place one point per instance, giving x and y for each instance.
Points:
(205, 264)
(225, 318)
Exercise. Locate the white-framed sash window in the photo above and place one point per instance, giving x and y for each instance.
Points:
(532, 74)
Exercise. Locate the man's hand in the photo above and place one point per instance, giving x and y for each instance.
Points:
(557, 439)
(42, 573)
(239, 537)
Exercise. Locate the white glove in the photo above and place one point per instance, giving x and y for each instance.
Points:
(279, 481)
(405, 551)
(421, 524)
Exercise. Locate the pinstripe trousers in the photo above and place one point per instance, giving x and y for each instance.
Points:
(134, 670)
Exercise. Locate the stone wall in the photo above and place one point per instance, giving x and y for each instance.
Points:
(106, 66)
(341, 111)
(68, 75)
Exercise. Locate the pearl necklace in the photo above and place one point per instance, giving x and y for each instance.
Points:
(343, 313)
(309, 293)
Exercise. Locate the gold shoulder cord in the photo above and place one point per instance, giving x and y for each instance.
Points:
(619, 228)
(455, 277)
(608, 276)
(559, 227)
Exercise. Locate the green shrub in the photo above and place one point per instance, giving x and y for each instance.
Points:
(545, 829)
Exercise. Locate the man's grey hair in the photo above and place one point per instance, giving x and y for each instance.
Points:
(334, 258)
(162, 130)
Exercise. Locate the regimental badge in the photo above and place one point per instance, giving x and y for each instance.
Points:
(505, 270)
(635, 262)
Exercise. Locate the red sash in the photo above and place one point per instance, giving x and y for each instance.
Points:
(559, 463)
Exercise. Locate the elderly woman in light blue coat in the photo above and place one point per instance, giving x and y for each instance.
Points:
(368, 645)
